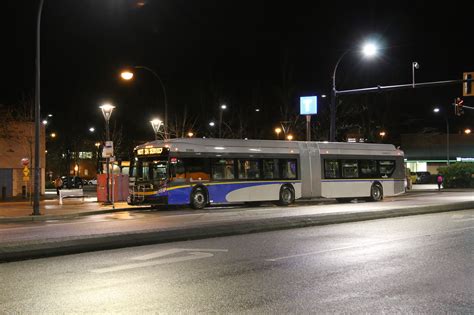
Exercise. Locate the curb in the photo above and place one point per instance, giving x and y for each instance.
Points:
(46, 217)
(15, 252)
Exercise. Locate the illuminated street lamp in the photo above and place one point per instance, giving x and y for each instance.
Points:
(467, 131)
(53, 135)
(190, 134)
(156, 124)
(277, 131)
(128, 75)
(289, 137)
(107, 112)
(368, 50)
(437, 110)
(91, 129)
(382, 134)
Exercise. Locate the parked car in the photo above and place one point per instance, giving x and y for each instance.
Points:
(423, 178)
(72, 182)
(92, 181)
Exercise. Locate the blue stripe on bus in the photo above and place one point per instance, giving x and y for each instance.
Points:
(217, 193)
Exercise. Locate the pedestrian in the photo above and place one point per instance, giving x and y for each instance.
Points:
(439, 179)
(58, 183)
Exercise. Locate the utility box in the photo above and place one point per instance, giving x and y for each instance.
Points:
(118, 187)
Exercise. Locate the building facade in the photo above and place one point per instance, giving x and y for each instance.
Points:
(17, 142)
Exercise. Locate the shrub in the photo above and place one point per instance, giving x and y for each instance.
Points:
(457, 175)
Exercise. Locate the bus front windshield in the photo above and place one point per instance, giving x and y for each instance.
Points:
(154, 171)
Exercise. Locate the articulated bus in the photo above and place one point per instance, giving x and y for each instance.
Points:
(201, 172)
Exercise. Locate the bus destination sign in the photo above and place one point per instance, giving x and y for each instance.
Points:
(148, 151)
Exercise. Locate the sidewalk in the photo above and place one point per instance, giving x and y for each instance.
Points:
(50, 208)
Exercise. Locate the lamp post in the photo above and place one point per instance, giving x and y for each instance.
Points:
(107, 112)
(437, 110)
(369, 50)
(222, 108)
(37, 112)
(156, 124)
(128, 75)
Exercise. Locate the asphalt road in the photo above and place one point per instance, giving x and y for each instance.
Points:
(415, 264)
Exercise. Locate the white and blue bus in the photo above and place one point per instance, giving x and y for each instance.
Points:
(201, 172)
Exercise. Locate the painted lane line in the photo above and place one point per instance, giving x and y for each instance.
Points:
(172, 251)
(364, 245)
(190, 256)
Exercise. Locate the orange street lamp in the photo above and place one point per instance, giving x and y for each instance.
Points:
(126, 75)
(277, 131)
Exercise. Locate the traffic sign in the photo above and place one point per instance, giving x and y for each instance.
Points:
(308, 105)
(26, 171)
(467, 87)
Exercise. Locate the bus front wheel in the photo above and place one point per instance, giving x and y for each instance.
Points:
(376, 192)
(287, 196)
(198, 198)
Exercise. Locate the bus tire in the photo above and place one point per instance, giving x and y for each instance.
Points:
(287, 195)
(198, 198)
(376, 192)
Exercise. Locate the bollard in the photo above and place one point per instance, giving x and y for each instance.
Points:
(4, 193)
(23, 191)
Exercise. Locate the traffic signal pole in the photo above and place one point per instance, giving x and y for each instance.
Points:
(381, 88)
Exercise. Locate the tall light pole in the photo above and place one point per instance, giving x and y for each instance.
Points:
(369, 50)
(437, 110)
(107, 112)
(37, 112)
(156, 124)
(128, 75)
(222, 108)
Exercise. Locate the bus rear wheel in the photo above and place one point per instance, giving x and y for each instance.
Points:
(376, 192)
(287, 196)
(198, 198)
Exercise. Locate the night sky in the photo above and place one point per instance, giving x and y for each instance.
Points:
(234, 52)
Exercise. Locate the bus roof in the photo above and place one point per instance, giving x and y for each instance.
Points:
(215, 145)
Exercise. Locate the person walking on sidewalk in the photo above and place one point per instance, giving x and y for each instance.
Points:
(58, 183)
(439, 179)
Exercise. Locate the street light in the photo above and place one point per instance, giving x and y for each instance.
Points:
(368, 50)
(107, 112)
(382, 134)
(277, 131)
(128, 75)
(91, 129)
(222, 107)
(289, 137)
(467, 131)
(437, 110)
(190, 134)
(156, 124)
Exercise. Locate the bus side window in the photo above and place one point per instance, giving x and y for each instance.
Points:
(288, 169)
(270, 169)
(248, 169)
(177, 172)
(349, 169)
(331, 169)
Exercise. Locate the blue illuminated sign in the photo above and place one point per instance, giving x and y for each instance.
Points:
(308, 105)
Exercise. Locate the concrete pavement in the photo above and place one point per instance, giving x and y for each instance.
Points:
(209, 223)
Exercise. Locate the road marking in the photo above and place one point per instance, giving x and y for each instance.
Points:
(172, 251)
(191, 254)
(363, 245)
